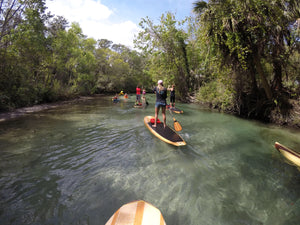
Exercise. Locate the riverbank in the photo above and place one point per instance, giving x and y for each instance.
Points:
(37, 108)
(288, 120)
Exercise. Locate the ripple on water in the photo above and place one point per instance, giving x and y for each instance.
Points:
(78, 165)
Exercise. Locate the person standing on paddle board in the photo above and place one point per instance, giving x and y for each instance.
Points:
(161, 96)
(172, 95)
(144, 101)
(144, 92)
(138, 96)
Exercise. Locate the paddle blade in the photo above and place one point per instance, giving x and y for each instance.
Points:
(177, 125)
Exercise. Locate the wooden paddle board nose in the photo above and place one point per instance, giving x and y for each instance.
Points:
(137, 213)
(289, 154)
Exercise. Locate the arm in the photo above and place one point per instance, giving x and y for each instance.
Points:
(154, 90)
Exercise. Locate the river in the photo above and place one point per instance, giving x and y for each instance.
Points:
(78, 163)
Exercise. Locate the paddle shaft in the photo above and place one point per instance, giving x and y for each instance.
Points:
(177, 125)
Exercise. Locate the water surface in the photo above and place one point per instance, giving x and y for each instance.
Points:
(77, 164)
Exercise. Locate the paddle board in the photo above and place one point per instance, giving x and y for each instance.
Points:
(289, 154)
(165, 134)
(116, 100)
(138, 106)
(137, 213)
(174, 109)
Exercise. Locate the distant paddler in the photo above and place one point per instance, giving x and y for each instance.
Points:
(144, 100)
(138, 95)
(161, 96)
(121, 93)
(172, 95)
(115, 99)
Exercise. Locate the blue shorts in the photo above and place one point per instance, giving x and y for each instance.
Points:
(138, 97)
(160, 104)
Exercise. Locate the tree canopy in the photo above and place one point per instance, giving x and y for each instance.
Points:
(166, 50)
(239, 56)
(256, 40)
(43, 58)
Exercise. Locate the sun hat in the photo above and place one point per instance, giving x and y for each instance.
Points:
(159, 82)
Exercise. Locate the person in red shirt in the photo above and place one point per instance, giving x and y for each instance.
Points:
(138, 95)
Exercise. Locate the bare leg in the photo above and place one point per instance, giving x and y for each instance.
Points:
(156, 115)
(163, 110)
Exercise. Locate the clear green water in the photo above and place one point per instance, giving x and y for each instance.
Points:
(77, 164)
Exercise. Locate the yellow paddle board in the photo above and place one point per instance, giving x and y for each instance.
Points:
(137, 213)
(164, 133)
(289, 154)
(175, 110)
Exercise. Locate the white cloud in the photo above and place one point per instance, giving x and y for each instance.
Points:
(95, 20)
(119, 33)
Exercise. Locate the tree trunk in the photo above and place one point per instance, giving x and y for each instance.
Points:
(265, 83)
(277, 64)
(253, 77)
(277, 75)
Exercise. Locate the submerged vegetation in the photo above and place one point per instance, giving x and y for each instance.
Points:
(237, 56)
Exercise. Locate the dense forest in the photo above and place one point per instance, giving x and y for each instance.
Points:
(236, 56)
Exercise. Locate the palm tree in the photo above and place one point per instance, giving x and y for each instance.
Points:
(248, 32)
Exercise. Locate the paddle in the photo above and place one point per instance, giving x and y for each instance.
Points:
(177, 125)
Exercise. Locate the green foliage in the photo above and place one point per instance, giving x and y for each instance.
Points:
(118, 67)
(217, 90)
(217, 95)
(41, 61)
(253, 38)
(227, 49)
(166, 50)
(292, 78)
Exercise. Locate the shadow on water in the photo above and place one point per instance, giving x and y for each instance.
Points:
(78, 164)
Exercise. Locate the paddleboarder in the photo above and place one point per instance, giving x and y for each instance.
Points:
(144, 100)
(172, 95)
(115, 98)
(138, 95)
(161, 96)
(144, 92)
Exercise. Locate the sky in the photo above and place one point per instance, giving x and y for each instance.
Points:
(116, 20)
